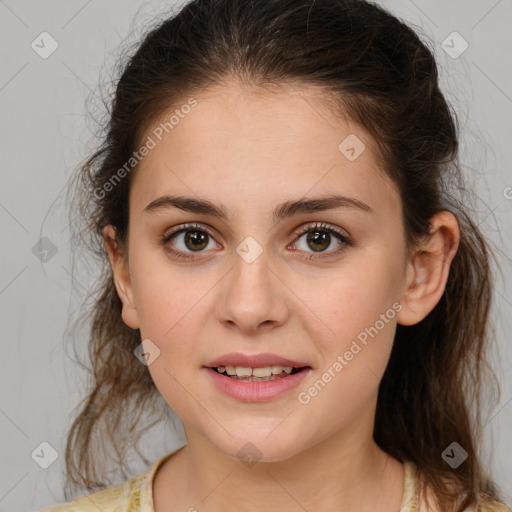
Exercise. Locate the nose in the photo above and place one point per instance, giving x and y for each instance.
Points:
(253, 297)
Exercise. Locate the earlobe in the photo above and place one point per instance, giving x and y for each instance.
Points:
(121, 277)
(428, 269)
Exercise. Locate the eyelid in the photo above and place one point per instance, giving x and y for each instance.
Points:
(298, 232)
(186, 227)
(322, 226)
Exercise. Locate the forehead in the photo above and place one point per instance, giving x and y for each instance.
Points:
(244, 144)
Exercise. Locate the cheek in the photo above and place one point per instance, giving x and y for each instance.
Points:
(358, 308)
(356, 347)
(165, 295)
(168, 305)
(356, 296)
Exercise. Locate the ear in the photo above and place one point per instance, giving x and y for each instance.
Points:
(121, 274)
(428, 269)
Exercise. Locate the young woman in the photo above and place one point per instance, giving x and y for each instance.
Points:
(287, 266)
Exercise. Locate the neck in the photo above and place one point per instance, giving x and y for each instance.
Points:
(342, 473)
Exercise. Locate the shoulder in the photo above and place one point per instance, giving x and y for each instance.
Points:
(413, 501)
(118, 498)
(133, 494)
(107, 500)
(124, 497)
(488, 504)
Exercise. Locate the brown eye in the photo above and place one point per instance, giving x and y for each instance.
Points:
(319, 237)
(318, 240)
(186, 240)
(195, 240)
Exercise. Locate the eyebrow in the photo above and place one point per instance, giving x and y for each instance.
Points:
(282, 211)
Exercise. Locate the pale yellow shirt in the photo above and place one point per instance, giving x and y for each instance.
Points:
(136, 494)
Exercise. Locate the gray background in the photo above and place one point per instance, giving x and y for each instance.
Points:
(44, 134)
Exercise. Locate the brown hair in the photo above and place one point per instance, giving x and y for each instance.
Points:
(383, 77)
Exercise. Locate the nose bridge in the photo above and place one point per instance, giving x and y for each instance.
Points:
(251, 296)
(251, 266)
(250, 280)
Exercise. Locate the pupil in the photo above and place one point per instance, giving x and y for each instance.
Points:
(317, 237)
(198, 239)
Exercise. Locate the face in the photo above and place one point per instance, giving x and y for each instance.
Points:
(309, 286)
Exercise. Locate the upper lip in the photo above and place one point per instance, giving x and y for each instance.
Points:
(253, 360)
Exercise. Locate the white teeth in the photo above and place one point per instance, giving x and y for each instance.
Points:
(230, 370)
(243, 371)
(262, 372)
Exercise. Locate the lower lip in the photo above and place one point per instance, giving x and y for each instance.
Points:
(256, 391)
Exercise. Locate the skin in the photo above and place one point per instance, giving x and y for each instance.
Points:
(250, 150)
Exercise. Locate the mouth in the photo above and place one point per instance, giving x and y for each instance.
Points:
(259, 384)
(256, 377)
(258, 374)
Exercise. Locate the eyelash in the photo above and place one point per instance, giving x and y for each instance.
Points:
(318, 226)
